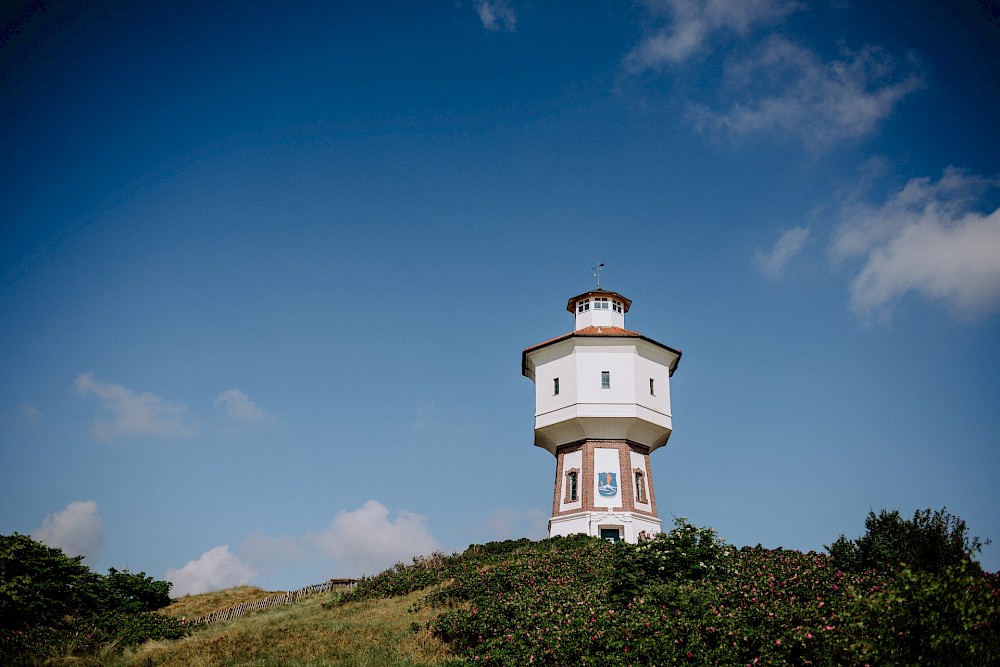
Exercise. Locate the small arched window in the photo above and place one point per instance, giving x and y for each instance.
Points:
(640, 487)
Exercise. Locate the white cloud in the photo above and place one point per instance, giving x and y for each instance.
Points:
(788, 246)
(929, 239)
(214, 570)
(791, 90)
(240, 407)
(76, 530)
(496, 15)
(693, 22)
(134, 413)
(367, 540)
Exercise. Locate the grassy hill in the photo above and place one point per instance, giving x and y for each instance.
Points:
(684, 598)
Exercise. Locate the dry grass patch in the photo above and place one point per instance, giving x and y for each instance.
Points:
(375, 634)
(192, 606)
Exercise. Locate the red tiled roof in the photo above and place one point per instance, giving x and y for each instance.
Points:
(605, 331)
(589, 331)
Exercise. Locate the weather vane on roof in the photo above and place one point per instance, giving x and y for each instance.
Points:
(598, 270)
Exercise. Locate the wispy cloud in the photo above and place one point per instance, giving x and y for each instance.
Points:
(928, 238)
(240, 407)
(76, 530)
(214, 570)
(31, 413)
(505, 524)
(134, 413)
(788, 245)
(368, 540)
(496, 15)
(787, 88)
(425, 416)
(270, 553)
(691, 24)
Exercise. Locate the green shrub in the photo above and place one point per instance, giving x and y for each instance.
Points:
(686, 553)
(52, 604)
(929, 542)
(948, 618)
(129, 629)
(130, 593)
(40, 585)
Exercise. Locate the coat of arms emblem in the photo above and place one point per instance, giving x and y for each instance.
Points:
(607, 484)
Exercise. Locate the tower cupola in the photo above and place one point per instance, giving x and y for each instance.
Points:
(599, 308)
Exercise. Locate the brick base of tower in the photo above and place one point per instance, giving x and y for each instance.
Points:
(604, 486)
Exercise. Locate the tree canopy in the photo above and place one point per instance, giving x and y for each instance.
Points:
(929, 542)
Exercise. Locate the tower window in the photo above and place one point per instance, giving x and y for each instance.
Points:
(605, 379)
(583, 305)
(651, 392)
(555, 386)
(571, 486)
(601, 303)
(616, 306)
(640, 487)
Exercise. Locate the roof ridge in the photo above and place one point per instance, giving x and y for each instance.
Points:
(591, 331)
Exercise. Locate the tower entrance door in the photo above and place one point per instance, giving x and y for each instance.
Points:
(610, 534)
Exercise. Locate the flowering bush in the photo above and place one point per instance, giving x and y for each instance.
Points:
(686, 553)
(920, 618)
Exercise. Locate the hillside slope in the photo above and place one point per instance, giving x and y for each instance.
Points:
(375, 633)
(683, 598)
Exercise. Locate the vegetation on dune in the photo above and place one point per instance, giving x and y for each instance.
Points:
(51, 604)
(193, 606)
(908, 592)
(929, 542)
(687, 598)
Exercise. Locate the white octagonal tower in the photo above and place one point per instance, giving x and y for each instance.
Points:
(602, 404)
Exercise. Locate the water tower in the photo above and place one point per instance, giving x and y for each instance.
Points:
(602, 404)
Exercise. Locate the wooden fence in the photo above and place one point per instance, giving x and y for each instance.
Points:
(245, 608)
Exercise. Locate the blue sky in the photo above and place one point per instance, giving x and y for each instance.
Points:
(266, 273)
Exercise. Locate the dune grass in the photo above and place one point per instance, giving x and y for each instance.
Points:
(193, 606)
(372, 633)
